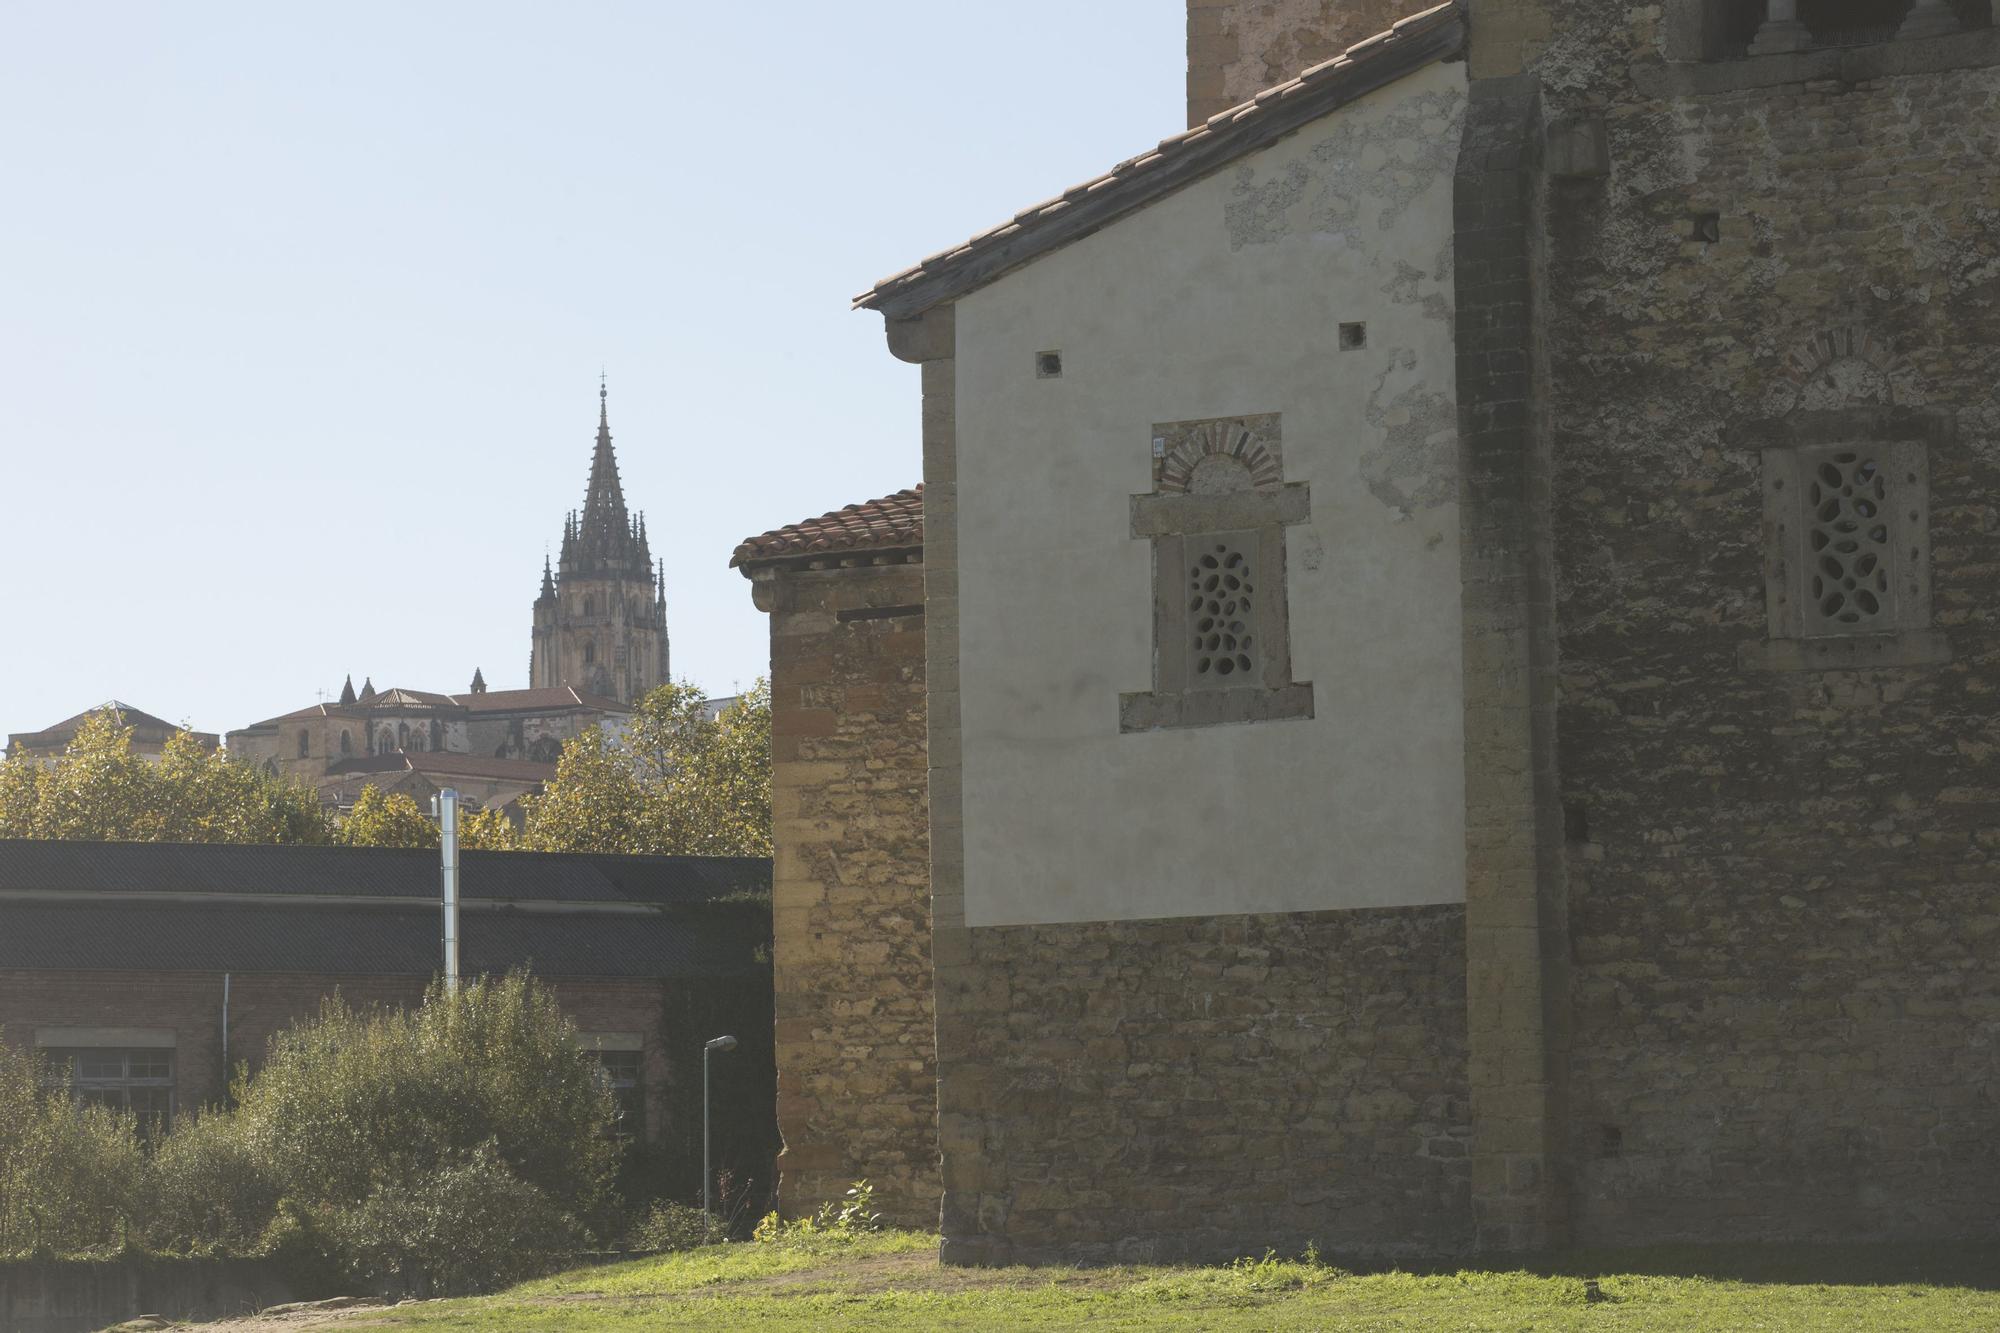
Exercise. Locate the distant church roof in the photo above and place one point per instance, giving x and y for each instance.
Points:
(894, 522)
(1434, 35)
(144, 725)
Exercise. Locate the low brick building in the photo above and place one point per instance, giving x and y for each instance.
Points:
(154, 969)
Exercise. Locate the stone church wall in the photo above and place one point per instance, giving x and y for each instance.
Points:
(1786, 983)
(857, 1083)
(1145, 1051)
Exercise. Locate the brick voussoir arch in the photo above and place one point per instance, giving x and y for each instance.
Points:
(1235, 439)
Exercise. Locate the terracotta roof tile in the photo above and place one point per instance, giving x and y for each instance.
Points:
(894, 522)
(1435, 34)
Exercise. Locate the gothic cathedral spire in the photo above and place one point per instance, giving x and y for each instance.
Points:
(600, 621)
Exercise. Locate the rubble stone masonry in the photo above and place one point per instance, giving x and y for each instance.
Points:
(1784, 894)
(857, 1088)
(1204, 1087)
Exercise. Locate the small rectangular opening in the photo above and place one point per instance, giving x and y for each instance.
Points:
(1048, 365)
(1353, 336)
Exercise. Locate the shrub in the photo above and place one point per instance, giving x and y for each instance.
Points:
(211, 1194)
(71, 1177)
(672, 1226)
(355, 1101)
(843, 1219)
(468, 1225)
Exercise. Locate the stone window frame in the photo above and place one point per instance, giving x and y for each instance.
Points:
(1187, 504)
(1796, 640)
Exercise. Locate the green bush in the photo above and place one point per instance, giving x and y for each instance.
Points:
(356, 1100)
(671, 1226)
(469, 1225)
(449, 1148)
(211, 1193)
(72, 1178)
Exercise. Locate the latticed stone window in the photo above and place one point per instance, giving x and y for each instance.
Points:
(1847, 541)
(1217, 516)
(1222, 585)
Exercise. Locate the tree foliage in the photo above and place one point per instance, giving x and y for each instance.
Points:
(674, 783)
(99, 790)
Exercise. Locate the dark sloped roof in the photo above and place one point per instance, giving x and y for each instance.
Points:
(373, 941)
(894, 522)
(549, 698)
(389, 873)
(136, 718)
(544, 697)
(1436, 34)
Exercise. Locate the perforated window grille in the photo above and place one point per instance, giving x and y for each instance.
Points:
(1222, 610)
(1850, 532)
(1846, 529)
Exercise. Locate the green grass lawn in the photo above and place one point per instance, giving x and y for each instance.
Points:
(893, 1281)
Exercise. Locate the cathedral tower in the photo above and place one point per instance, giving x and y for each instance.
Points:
(601, 618)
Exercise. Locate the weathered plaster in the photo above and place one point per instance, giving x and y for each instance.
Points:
(1163, 317)
(1362, 176)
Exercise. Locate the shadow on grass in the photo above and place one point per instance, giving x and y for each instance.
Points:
(1976, 1266)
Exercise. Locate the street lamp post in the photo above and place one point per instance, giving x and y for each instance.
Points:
(707, 1173)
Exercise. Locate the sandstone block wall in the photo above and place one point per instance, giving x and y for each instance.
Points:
(1786, 987)
(857, 1087)
(1206, 1087)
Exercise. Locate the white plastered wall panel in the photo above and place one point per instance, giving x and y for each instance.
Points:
(1223, 299)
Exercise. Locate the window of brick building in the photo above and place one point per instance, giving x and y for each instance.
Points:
(621, 1068)
(305, 743)
(136, 1079)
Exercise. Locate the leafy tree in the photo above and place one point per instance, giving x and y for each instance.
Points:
(390, 819)
(98, 789)
(394, 819)
(675, 782)
(487, 831)
(205, 796)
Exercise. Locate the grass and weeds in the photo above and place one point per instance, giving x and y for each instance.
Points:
(843, 1279)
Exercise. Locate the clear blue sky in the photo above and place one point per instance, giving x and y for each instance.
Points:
(302, 308)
